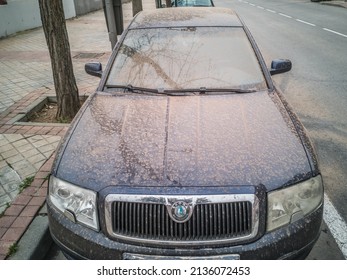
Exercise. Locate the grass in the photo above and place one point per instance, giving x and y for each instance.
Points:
(26, 183)
(12, 250)
(63, 120)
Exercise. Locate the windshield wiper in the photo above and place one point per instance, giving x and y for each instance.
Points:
(179, 92)
(143, 90)
(204, 90)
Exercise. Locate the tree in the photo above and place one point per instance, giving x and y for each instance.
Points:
(53, 22)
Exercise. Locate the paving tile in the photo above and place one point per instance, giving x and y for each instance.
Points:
(37, 201)
(48, 154)
(30, 211)
(11, 130)
(37, 183)
(47, 165)
(3, 205)
(42, 192)
(10, 187)
(5, 148)
(39, 164)
(3, 142)
(13, 137)
(15, 159)
(20, 143)
(3, 163)
(7, 221)
(30, 153)
(21, 222)
(13, 234)
(13, 194)
(10, 153)
(6, 127)
(47, 148)
(2, 231)
(36, 158)
(29, 191)
(14, 210)
(40, 143)
(23, 130)
(35, 138)
(34, 130)
(45, 130)
(24, 169)
(41, 175)
(24, 148)
(8, 175)
(22, 199)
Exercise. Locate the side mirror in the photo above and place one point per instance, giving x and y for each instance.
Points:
(279, 66)
(93, 68)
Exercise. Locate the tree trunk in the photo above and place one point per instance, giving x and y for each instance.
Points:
(53, 22)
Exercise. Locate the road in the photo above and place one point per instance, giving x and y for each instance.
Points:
(314, 37)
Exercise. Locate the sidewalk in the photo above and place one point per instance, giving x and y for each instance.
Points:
(338, 3)
(27, 149)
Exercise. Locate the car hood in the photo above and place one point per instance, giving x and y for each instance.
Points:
(190, 141)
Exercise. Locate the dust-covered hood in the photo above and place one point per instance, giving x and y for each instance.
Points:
(206, 140)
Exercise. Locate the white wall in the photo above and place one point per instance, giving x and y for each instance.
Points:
(19, 15)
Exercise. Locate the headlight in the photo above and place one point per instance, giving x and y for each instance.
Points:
(76, 203)
(292, 203)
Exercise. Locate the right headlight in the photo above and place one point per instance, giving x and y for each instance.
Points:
(76, 203)
(292, 203)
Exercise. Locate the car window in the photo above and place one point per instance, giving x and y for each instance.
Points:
(186, 3)
(181, 58)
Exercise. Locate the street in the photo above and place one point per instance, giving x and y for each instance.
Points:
(314, 38)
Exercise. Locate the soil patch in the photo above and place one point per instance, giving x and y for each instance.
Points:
(46, 115)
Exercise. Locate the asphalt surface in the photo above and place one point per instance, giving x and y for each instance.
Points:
(314, 37)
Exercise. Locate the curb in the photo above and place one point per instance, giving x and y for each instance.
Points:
(36, 241)
(342, 4)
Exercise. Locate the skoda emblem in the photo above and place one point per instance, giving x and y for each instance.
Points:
(180, 211)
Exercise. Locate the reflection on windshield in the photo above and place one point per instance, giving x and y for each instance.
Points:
(179, 58)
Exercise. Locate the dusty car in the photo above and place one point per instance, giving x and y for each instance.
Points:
(186, 150)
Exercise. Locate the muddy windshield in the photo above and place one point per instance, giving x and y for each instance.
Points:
(182, 58)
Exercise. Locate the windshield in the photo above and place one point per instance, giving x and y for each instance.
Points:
(182, 58)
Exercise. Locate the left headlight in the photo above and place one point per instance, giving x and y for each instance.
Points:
(76, 203)
(293, 203)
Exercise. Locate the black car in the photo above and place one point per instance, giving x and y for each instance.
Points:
(186, 150)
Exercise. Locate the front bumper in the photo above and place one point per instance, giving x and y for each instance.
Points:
(294, 241)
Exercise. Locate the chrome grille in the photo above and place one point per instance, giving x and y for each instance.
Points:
(147, 219)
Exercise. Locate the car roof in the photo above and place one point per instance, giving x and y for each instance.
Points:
(186, 17)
